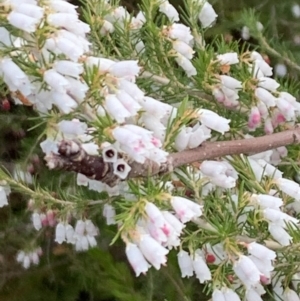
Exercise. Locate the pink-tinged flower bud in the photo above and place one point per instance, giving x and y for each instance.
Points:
(60, 233)
(252, 295)
(246, 271)
(185, 209)
(173, 221)
(254, 118)
(136, 259)
(169, 10)
(36, 220)
(154, 214)
(157, 233)
(210, 258)
(153, 251)
(265, 96)
(229, 58)
(153, 124)
(183, 48)
(286, 108)
(51, 218)
(44, 219)
(200, 267)
(219, 95)
(268, 83)
(268, 127)
(121, 168)
(283, 152)
(279, 234)
(290, 295)
(263, 110)
(264, 280)
(185, 264)
(186, 65)
(207, 15)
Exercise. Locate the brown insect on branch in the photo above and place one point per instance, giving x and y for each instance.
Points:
(72, 156)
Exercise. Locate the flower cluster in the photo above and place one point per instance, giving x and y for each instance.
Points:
(159, 232)
(27, 258)
(83, 236)
(189, 264)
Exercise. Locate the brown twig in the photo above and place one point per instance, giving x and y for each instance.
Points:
(73, 157)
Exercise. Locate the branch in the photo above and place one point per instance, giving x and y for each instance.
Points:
(265, 45)
(211, 150)
(73, 158)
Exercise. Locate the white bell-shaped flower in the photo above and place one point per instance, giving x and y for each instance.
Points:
(136, 259)
(207, 15)
(185, 264)
(60, 233)
(153, 251)
(200, 267)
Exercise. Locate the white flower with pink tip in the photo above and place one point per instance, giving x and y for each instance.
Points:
(139, 143)
(185, 209)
